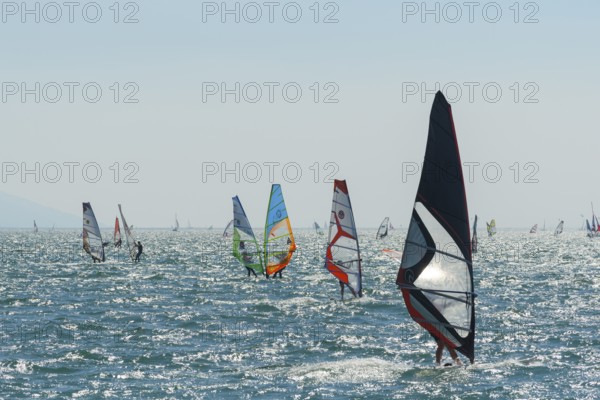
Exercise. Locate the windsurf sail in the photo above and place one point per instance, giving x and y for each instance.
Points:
(383, 228)
(245, 247)
(559, 228)
(391, 227)
(35, 227)
(318, 229)
(279, 239)
(533, 229)
(436, 272)
(92, 239)
(593, 230)
(491, 228)
(129, 238)
(176, 228)
(229, 228)
(474, 239)
(342, 258)
(117, 232)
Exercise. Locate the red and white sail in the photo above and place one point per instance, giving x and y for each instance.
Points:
(343, 254)
(436, 273)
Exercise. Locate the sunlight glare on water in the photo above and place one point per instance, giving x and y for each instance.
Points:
(188, 322)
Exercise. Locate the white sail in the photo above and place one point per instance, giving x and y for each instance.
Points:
(342, 258)
(245, 246)
(229, 229)
(131, 243)
(92, 239)
(383, 228)
(317, 228)
(176, 224)
(559, 228)
(533, 229)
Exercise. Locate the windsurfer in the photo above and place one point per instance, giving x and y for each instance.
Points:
(246, 257)
(140, 248)
(118, 243)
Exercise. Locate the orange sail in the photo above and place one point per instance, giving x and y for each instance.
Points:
(279, 239)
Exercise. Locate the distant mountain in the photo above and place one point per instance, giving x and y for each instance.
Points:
(16, 212)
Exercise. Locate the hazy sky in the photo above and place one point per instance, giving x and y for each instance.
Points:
(362, 114)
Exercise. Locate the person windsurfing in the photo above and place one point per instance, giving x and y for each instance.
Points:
(246, 257)
(140, 248)
(440, 350)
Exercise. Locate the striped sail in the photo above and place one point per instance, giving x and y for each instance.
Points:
(383, 228)
(342, 258)
(245, 246)
(129, 238)
(92, 239)
(279, 245)
(436, 272)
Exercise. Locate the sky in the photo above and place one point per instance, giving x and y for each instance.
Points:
(172, 109)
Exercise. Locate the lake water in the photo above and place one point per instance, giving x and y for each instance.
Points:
(187, 322)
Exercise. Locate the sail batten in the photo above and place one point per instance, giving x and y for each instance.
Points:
(436, 272)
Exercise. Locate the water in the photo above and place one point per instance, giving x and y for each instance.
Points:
(188, 323)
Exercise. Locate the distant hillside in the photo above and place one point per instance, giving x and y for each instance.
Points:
(16, 212)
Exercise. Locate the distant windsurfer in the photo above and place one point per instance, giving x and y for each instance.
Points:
(140, 248)
(440, 350)
(246, 257)
(282, 259)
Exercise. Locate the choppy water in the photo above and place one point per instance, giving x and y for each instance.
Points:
(188, 323)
